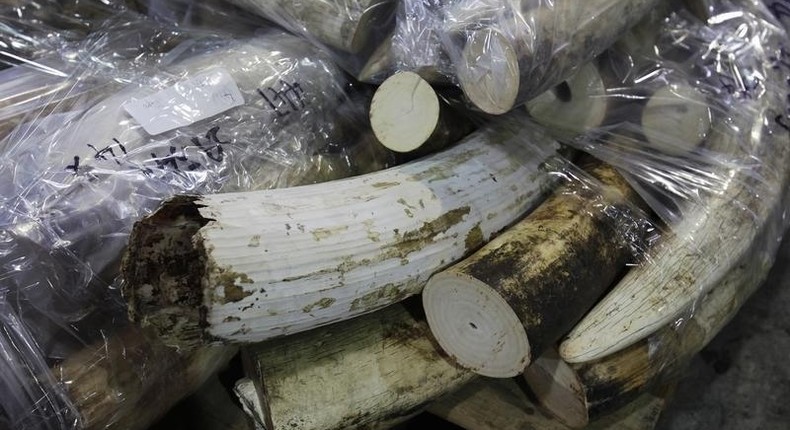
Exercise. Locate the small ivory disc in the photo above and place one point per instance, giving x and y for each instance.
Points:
(404, 112)
(676, 119)
(575, 106)
(488, 72)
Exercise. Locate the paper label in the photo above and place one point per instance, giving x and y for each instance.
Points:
(202, 96)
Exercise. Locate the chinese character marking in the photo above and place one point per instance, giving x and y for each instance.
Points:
(101, 154)
(289, 98)
(215, 152)
(74, 166)
(173, 159)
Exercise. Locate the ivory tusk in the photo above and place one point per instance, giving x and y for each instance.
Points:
(499, 308)
(578, 393)
(130, 380)
(505, 65)
(245, 267)
(502, 404)
(407, 115)
(714, 234)
(574, 106)
(367, 372)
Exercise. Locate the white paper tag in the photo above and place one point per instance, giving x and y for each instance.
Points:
(200, 97)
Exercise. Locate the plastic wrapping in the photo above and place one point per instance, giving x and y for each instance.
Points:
(693, 113)
(346, 25)
(81, 51)
(415, 44)
(348, 29)
(129, 112)
(658, 104)
(106, 120)
(501, 53)
(713, 165)
(686, 122)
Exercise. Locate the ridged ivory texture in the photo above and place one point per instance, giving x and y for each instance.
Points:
(309, 256)
(712, 237)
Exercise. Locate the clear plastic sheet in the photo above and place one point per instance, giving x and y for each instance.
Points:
(78, 52)
(349, 29)
(415, 44)
(106, 112)
(502, 53)
(211, 16)
(99, 126)
(657, 103)
(654, 113)
(780, 9)
(346, 25)
(684, 118)
(712, 166)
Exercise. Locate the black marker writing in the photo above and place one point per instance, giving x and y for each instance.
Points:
(215, 152)
(176, 159)
(74, 166)
(289, 98)
(101, 154)
(173, 160)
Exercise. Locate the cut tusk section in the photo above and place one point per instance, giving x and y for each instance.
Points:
(489, 72)
(574, 106)
(490, 339)
(262, 264)
(404, 112)
(676, 119)
(527, 287)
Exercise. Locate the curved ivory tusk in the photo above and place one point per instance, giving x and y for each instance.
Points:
(579, 393)
(244, 267)
(711, 238)
(503, 306)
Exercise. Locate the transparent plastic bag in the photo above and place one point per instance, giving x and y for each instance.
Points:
(500, 53)
(115, 129)
(722, 198)
(780, 9)
(88, 155)
(692, 112)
